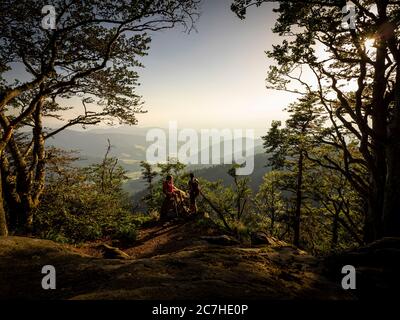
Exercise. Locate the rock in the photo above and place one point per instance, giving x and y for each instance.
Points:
(388, 242)
(197, 271)
(259, 238)
(376, 265)
(223, 240)
(113, 253)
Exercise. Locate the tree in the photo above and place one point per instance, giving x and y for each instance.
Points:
(242, 191)
(270, 201)
(172, 167)
(93, 55)
(290, 144)
(107, 175)
(358, 85)
(231, 204)
(148, 174)
(338, 203)
(84, 203)
(3, 220)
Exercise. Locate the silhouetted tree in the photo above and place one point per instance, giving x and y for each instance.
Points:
(148, 174)
(288, 147)
(358, 86)
(92, 54)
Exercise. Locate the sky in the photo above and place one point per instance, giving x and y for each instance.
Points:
(215, 77)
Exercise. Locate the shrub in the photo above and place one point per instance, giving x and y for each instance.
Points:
(79, 205)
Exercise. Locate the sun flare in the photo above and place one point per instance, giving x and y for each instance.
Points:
(369, 45)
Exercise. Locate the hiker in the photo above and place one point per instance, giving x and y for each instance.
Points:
(168, 187)
(168, 190)
(173, 196)
(171, 191)
(194, 191)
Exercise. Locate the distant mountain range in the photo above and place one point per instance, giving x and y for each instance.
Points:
(214, 173)
(129, 145)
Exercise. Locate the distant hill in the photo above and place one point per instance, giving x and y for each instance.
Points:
(92, 146)
(93, 143)
(129, 145)
(214, 173)
(220, 172)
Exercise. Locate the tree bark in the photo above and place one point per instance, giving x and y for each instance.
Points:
(391, 210)
(391, 213)
(335, 229)
(374, 220)
(219, 212)
(3, 221)
(23, 195)
(373, 228)
(272, 226)
(299, 195)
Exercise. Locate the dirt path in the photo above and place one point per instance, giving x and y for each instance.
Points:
(168, 237)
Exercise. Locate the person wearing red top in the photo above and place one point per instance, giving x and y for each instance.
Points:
(168, 186)
(173, 197)
(168, 189)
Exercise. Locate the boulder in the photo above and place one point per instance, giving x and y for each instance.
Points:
(112, 252)
(259, 238)
(376, 265)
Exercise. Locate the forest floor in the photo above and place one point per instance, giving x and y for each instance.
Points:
(173, 260)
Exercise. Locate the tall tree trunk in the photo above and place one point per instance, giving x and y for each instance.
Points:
(335, 229)
(28, 208)
(3, 221)
(374, 219)
(30, 177)
(391, 210)
(391, 213)
(373, 228)
(272, 227)
(299, 195)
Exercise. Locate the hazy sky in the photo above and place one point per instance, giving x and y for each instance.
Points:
(215, 77)
(212, 78)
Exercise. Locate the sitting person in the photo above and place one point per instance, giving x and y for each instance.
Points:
(173, 196)
(168, 187)
(171, 191)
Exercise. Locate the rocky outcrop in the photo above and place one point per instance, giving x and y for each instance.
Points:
(197, 271)
(377, 268)
(110, 252)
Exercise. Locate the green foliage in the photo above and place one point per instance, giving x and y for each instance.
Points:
(148, 174)
(172, 167)
(275, 144)
(126, 233)
(355, 85)
(270, 203)
(83, 204)
(310, 200)
(229, 206)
